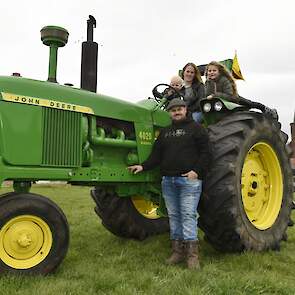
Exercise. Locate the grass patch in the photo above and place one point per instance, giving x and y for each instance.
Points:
(101, 263)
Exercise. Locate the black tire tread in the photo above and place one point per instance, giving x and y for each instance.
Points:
(220, 217)
(14, 204)
(120, 217)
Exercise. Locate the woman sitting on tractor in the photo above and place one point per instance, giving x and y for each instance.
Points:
(193, 90)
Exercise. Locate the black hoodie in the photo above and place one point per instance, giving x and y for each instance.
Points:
(181, 147)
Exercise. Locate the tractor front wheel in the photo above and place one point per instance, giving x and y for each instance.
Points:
(34, 234)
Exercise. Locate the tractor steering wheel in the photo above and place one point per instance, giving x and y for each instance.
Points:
(159, 95)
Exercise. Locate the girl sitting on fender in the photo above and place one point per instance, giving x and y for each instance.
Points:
(219, 82)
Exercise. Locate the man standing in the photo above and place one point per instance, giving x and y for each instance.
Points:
(182, 152)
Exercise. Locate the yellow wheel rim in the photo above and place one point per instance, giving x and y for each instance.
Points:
(262, 186)
(25, 241)
(146, 208)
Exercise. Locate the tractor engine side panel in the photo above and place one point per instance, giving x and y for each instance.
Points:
(40, 136)
(21, 131)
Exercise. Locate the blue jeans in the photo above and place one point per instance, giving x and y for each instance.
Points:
(182, 197)
(197, 116)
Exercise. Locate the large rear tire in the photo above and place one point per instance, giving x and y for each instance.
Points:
(247, 197)
(128, 217)
(34, 234)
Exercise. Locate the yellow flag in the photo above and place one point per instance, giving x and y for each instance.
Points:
(236, 71)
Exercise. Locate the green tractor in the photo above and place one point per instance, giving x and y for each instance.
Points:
(57, 132)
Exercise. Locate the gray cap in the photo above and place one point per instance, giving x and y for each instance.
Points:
(176, 102)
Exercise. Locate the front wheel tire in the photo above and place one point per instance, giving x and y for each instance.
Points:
(34, 235)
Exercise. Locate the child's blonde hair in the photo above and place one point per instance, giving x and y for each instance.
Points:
(177, 79)
(223, 72)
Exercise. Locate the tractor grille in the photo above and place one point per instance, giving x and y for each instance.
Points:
(61, 138)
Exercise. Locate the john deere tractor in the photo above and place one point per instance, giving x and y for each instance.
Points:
(58, 132)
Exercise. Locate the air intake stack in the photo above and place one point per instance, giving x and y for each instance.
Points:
(54, 37)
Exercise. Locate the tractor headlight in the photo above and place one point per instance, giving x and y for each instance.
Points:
(207, 107)
(218, 106)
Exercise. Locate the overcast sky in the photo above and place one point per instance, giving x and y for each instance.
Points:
(143, 43)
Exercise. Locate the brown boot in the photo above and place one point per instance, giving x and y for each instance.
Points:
(192, 255)
(177, 252)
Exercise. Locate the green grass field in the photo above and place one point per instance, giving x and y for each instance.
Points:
(101, 263)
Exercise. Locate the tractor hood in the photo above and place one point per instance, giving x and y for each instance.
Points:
(41, 93)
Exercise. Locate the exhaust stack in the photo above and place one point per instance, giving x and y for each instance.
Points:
(89, 59)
